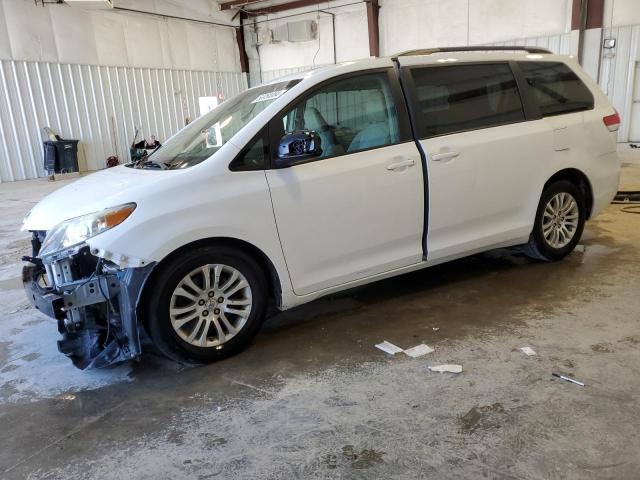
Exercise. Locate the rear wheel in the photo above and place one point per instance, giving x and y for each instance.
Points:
(559, 222)
(207, 304)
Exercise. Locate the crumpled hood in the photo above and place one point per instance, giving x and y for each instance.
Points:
(95, 192)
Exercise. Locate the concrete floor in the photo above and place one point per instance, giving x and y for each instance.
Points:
(312, 398)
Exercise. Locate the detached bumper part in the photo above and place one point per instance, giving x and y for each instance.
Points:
(96, 314)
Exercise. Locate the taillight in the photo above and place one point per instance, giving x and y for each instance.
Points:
(612, 122)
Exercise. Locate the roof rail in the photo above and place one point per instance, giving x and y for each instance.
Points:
(475, 48)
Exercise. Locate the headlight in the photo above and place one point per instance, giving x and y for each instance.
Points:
(77, 230)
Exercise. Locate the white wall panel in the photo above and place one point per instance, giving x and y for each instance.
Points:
(64, 34)
(30, 31)
(621, 12)
(111, 45)
(5, 46)
(69, 25)
(617, 72)
(98, 105)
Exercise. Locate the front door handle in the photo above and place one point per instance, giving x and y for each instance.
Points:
(409, 162)
(439, 157)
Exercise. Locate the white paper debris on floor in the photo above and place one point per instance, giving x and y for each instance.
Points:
(418, 350)
(389, 348)
(435, 329)
(448, 368)
(528, 351)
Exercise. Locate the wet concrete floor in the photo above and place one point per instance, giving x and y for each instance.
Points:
(312, 398)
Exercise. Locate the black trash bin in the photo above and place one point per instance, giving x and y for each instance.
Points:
(61, 156)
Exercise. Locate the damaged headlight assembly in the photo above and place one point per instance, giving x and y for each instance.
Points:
(77, 230)
(93, 299)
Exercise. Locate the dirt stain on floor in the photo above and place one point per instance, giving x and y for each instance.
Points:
(482, 418)
(602, 348)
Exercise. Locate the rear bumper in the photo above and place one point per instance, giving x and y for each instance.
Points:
(96, 315)
(605, 182)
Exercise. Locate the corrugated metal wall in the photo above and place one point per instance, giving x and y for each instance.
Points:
(617, 72)
(560, 43)
(100, 106)
(268, 75)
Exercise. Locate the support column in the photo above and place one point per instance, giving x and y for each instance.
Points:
(586, 25)
(374, 33)
(244, 60)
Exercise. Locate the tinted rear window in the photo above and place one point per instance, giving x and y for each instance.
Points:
(556, 88)
(465, 97)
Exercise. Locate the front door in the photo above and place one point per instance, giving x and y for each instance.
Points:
(357, 210)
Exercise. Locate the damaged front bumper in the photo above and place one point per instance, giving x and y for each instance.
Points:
(94, 302)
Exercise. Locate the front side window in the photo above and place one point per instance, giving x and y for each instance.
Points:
(349, 115)
(465, 97)
(253, 156)
(556, 88)
(208, 133)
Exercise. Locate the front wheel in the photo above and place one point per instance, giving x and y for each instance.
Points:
(559, 222)
(206, 304)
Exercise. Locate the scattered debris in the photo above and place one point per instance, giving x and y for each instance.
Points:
(449, 368)
(568, 379)
(435, 329)
(418, 350)
(389, 348)
(528, 351)
(580, 248)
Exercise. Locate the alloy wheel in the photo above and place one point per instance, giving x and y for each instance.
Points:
(210, 305)
(560, 220)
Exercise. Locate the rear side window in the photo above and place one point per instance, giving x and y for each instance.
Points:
(465, 97)
(556, 88)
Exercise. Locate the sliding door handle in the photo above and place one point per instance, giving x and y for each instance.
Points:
(439, 157)
(409, 162)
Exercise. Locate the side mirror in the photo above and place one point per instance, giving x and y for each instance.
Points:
(298, 147)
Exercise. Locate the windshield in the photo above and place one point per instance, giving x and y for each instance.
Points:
(207, 134)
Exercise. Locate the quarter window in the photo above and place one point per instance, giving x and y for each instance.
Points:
(556, 88)
(253, 156)
(465, 97)
(350, 115)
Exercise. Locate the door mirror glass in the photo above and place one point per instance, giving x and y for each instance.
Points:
(298, 147)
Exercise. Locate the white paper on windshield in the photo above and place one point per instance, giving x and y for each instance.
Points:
(268, 96)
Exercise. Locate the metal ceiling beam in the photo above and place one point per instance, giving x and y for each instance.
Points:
(237, 3)
(283, 7)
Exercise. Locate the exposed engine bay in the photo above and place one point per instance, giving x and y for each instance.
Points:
(93, 300)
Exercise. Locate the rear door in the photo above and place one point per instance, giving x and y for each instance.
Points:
(357, 210)
(483, 157)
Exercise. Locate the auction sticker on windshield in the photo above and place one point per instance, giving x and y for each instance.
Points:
(268, 96)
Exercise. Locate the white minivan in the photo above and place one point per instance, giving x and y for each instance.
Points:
(317, 183)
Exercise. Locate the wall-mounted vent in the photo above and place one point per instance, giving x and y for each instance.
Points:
(302, 31)
(91, 4)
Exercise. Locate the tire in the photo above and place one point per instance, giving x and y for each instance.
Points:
(173, 300)
(546, 247)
